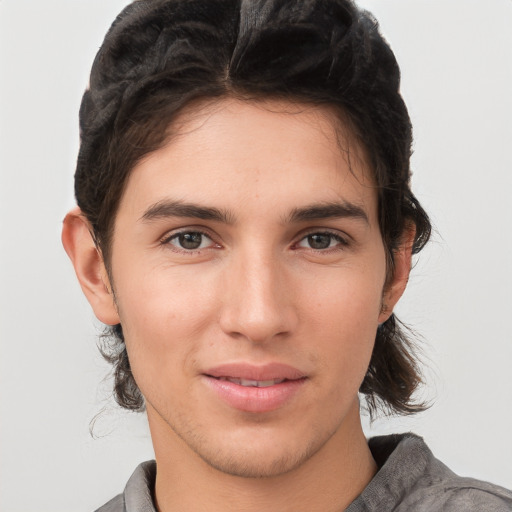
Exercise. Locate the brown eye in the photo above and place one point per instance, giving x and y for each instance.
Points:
(190, 240)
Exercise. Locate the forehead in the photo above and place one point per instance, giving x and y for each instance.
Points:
(281, 153)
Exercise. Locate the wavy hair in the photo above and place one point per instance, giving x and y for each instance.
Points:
(161, 55)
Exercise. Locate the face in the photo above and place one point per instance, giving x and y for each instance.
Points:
(248, 270)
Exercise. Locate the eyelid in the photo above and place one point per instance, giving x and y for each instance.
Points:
(175, 232)
(324, 231)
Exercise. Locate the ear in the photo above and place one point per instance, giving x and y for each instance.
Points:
(89, 266)
(395, 286)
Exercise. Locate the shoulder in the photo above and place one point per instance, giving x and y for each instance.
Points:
(436, 487)
(411, 478)
(458, 494)
(138, 493)
(114, 505)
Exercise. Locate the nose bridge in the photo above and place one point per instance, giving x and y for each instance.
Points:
(256, 304)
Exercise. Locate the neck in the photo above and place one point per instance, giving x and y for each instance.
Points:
(329, 480)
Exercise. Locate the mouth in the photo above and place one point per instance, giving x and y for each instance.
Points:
(255, 389)
(249, 383)
(247, 374)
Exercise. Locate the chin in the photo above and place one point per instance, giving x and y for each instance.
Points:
(260, 464)
(257, 453)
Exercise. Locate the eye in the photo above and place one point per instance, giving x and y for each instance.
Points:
(189, 240)
(321, 241)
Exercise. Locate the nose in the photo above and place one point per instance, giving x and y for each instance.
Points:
(257, 302)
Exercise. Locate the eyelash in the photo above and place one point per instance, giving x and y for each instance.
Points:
(166, 241)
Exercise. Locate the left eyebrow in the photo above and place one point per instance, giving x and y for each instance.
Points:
(336, 210)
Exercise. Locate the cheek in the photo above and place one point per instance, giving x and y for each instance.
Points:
(347, 297)
(163, 315)
(342, 314)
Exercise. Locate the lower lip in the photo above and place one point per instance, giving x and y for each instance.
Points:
(254, 399)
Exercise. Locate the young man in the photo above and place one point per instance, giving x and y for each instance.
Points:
(245, 225)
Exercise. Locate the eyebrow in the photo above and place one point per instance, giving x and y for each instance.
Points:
(168, 208)
(335, 210)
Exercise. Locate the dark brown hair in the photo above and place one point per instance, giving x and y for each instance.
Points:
(159, 56)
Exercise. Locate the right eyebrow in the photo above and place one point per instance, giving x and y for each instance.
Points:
(169, 208)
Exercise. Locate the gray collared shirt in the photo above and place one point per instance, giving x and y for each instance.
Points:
(409, 479)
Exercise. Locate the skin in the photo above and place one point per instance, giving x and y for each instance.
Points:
(261, 288)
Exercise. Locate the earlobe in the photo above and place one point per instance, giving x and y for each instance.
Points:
(395, 288)
(89, 266)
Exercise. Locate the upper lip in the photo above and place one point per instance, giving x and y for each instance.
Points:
(269, 371)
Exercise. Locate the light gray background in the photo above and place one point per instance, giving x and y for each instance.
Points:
(456, 58)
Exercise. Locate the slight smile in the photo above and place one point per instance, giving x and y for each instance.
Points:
(255, 389)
